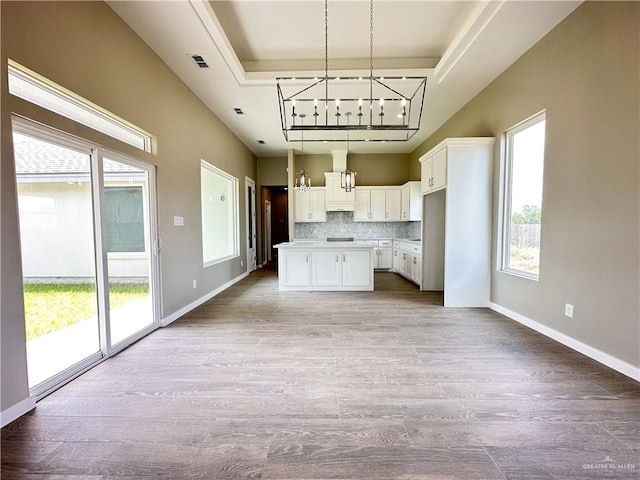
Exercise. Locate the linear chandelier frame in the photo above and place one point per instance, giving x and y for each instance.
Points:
(386, 108)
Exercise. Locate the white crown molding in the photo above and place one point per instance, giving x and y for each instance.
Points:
(474, 25)
(265, 72)
(215, 31)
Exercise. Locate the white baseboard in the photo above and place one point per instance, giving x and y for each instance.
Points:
(186, 309)
(16, 411)
(598, 355)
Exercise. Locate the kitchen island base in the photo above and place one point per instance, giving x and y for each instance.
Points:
(324, 266)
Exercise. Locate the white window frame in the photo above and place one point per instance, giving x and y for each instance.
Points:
(97, 153)
(32, 87)
(506, 187)
(204, 165)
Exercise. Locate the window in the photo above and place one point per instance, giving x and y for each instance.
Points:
(220, 227)
(125, 219)
(34, 88)
(522, 197)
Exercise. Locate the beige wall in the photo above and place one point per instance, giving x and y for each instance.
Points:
(87, 48)
(315, 165)
(380, 169)
(585, 74)
(371, 169)
(272, 171)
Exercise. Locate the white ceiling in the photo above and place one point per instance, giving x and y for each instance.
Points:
(461, 46)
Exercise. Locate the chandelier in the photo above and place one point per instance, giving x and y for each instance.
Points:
(386, 108)
(348, 177)
(303, 179)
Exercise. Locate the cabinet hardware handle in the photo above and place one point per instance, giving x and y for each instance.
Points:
(306, 259)
(337, 257)
(344, 258)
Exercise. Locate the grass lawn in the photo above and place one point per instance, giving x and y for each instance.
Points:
(52, 306)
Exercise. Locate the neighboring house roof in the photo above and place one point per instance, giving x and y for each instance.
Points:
(35, 157)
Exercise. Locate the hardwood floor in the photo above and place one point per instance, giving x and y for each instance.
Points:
(371, 385)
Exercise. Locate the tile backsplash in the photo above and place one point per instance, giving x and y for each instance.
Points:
(341, 224)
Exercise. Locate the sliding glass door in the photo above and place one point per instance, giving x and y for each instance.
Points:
(58, 254)
(87, 224)
(129, 247)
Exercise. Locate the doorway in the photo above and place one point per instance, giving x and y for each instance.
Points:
(251, 223)
(89, 256)
(267, 232)
(275, 220)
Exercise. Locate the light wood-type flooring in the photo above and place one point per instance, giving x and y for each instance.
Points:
(374, 385)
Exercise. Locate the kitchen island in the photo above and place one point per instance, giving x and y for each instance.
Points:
(325, 266)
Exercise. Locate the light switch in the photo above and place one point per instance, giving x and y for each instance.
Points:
(178, 221)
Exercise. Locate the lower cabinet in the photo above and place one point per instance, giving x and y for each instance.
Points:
(407, 261)
(326, 269)
(356, 268)
(294, 268)
(384, 255)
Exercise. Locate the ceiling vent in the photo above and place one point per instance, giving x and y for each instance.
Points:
(238, 111)
(199, 61)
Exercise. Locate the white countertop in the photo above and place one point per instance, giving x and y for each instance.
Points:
(321, 244)
(318, 240)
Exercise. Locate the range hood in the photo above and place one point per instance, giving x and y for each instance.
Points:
(337, 199)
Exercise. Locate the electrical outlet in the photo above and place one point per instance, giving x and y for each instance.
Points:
(568, 310)
(195, 284)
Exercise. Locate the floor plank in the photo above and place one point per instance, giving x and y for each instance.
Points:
(257, 383)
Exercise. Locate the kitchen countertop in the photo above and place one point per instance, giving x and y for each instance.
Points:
(324, 244)
(312, 240)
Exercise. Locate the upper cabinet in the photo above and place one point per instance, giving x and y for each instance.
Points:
(309, 205)
(337, 198)
(434, 169)
(411, 202)
(378, 204)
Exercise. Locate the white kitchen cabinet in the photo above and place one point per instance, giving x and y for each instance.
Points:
(456, 226)
(407, 260)
(382, 253)
(356, 268)
(385, 255)
(397, 256)
(393, 197)
(362, 211)
(294, 268)
(336, 197)
(309, 205)
(415, 269)
(325, 266)
(378, 204)
(411, 200)
(433, 170)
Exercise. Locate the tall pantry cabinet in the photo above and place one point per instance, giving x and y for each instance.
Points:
(456, 222)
